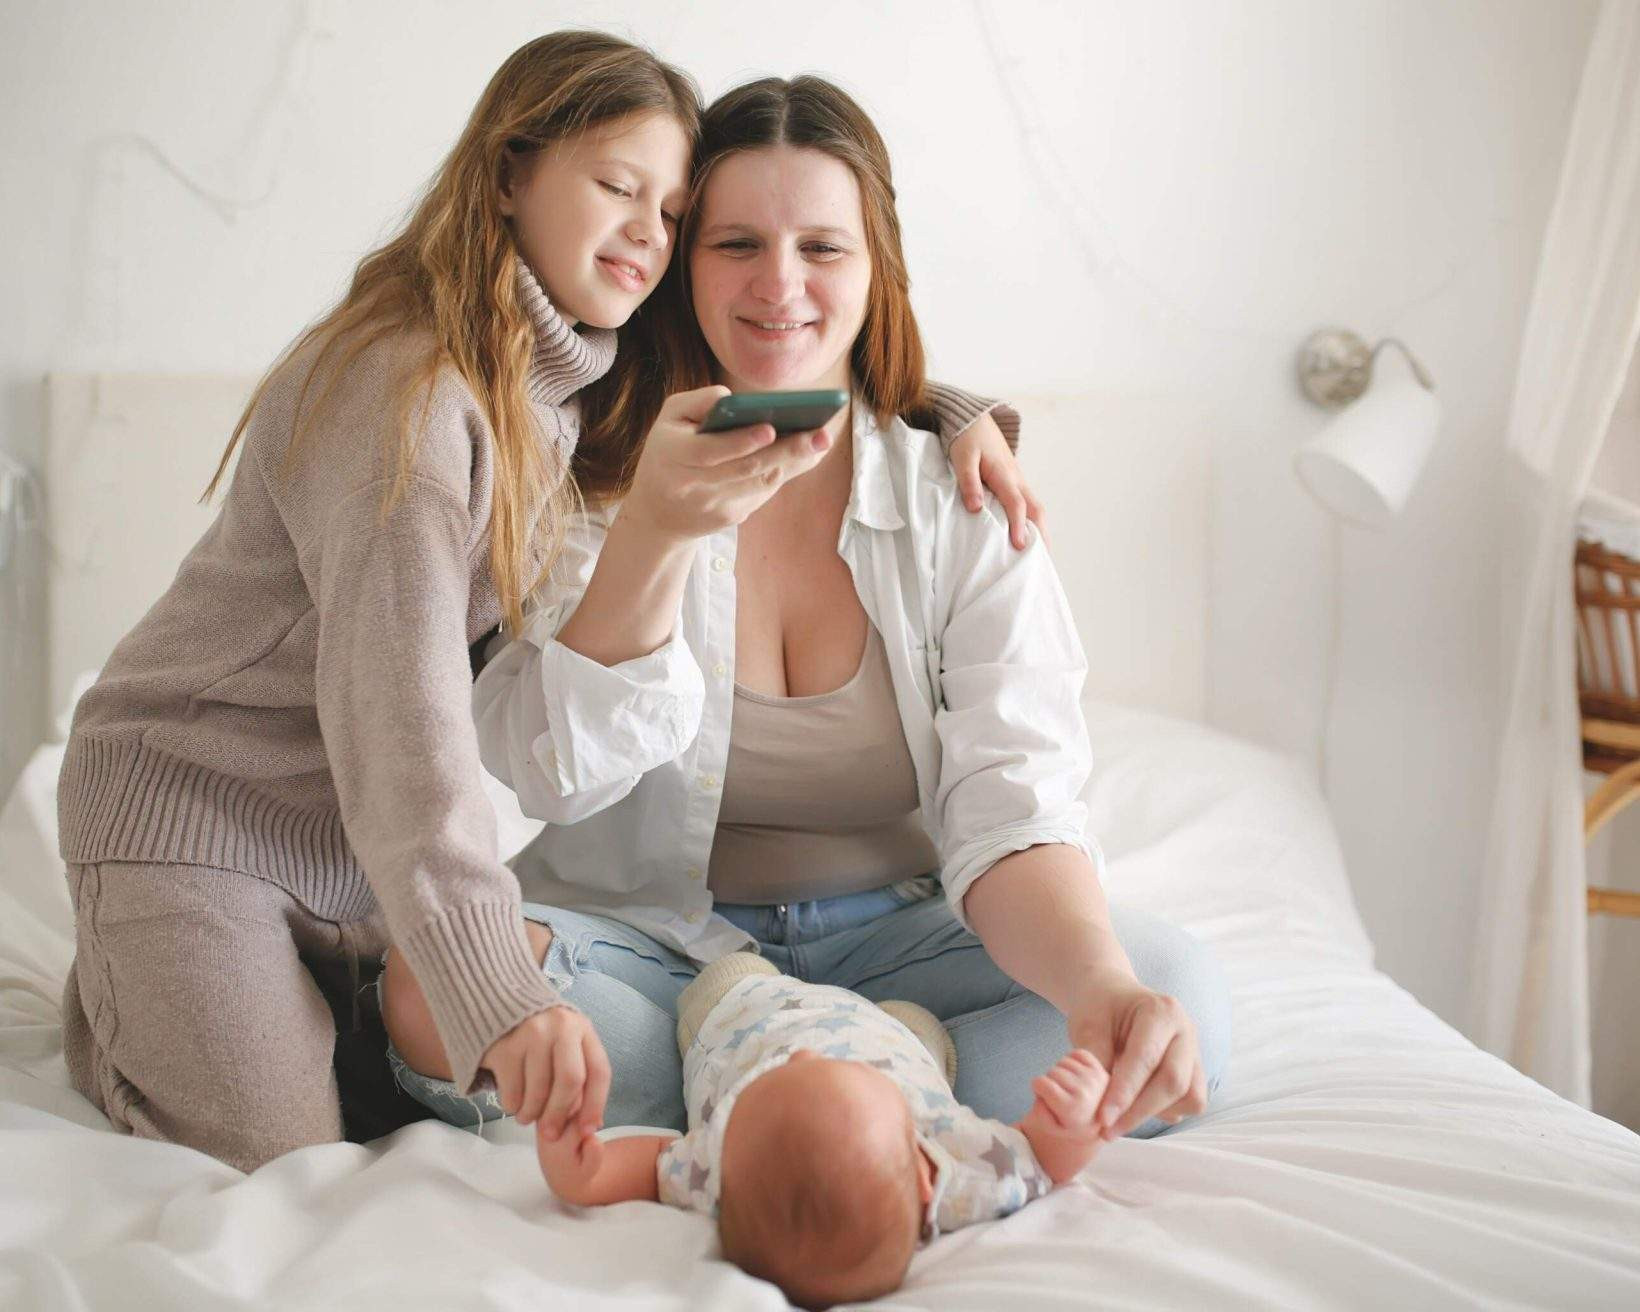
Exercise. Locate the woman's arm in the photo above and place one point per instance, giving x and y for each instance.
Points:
(1016, 863)
(601, 688)
(630, 605)
(1014, 750)
(1043, 918)
(570, 733)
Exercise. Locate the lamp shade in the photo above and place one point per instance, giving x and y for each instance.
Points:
(1363, 464)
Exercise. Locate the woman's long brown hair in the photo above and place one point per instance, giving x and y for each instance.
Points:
(887, 357)
(452, 272)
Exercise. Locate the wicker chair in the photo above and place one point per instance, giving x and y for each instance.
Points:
(1608, 684)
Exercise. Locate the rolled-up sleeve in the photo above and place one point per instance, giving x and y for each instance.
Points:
(1014, 750)
(568, 735)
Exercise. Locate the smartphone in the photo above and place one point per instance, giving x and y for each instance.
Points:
(789, 412)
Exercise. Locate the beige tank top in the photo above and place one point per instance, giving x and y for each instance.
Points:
(819, 793)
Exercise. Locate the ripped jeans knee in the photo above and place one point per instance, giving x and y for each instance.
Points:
(558, 964)
(627, 985)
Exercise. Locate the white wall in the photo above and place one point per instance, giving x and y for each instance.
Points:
(1148, 196)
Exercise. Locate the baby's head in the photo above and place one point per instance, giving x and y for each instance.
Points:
(823, 1183)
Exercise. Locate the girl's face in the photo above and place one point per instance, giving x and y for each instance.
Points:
(596, 215)
(779, 268)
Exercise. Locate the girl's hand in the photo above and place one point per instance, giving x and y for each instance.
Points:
(689, 484)
(1148, 1043)
(981, 455)
(551, 1067)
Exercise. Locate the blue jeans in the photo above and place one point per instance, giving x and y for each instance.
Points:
(897, 942)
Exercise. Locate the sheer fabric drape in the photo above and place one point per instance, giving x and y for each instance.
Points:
(1530, 990)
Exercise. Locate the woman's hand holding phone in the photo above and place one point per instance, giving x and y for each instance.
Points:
(689, 484)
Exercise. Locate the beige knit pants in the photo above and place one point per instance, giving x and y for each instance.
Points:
(202, 1007)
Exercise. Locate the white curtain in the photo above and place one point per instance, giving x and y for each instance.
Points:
(1530, 994)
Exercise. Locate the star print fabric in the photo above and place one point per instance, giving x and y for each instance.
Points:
(984, 1169)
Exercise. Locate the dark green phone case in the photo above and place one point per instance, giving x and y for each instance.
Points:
(789, 412)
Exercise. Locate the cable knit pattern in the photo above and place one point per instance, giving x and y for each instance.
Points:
(566, 359)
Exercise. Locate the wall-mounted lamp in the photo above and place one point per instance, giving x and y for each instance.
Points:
(1363, 464)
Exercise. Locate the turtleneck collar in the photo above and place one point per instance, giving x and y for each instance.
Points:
(565, 360)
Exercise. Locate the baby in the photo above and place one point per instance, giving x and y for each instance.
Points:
(823, 1135)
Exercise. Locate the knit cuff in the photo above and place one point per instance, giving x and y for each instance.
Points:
(479, 975)
(955, 411)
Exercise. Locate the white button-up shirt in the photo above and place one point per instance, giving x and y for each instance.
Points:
(625, 763)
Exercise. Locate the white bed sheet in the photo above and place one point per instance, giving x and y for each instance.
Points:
(1362, 1154)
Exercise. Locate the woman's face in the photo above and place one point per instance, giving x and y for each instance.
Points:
(779, 268)
(596, 215)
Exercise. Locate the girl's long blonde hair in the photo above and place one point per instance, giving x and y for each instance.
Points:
(452, 272)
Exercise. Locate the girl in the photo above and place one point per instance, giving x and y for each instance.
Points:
(835, 722)
(277, 770)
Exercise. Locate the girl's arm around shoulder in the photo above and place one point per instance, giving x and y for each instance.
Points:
(954, 411)
(981, 440)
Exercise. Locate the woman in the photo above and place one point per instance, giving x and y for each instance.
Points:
(833, 719)
(277, 768)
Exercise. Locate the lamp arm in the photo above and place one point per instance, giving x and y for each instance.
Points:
(1418, 371)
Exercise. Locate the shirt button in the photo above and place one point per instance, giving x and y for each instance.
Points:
(720, 669)
(708, 782)
(720, 564)
(695, 872)
(693, 917)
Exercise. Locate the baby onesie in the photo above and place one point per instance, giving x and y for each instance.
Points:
(983, 1168)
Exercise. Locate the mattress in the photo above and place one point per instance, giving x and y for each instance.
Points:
(1361, 1154)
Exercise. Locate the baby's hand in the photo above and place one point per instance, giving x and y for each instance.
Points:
(1060, 1125)
(585, 1170)
(1071, 1091)
(570, 1160)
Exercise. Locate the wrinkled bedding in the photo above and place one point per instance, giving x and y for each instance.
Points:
(1362, 1153)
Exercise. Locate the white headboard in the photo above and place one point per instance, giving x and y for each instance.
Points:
(1124, 478)
(127, 456)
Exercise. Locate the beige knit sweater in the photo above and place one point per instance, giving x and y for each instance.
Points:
(296, 706)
